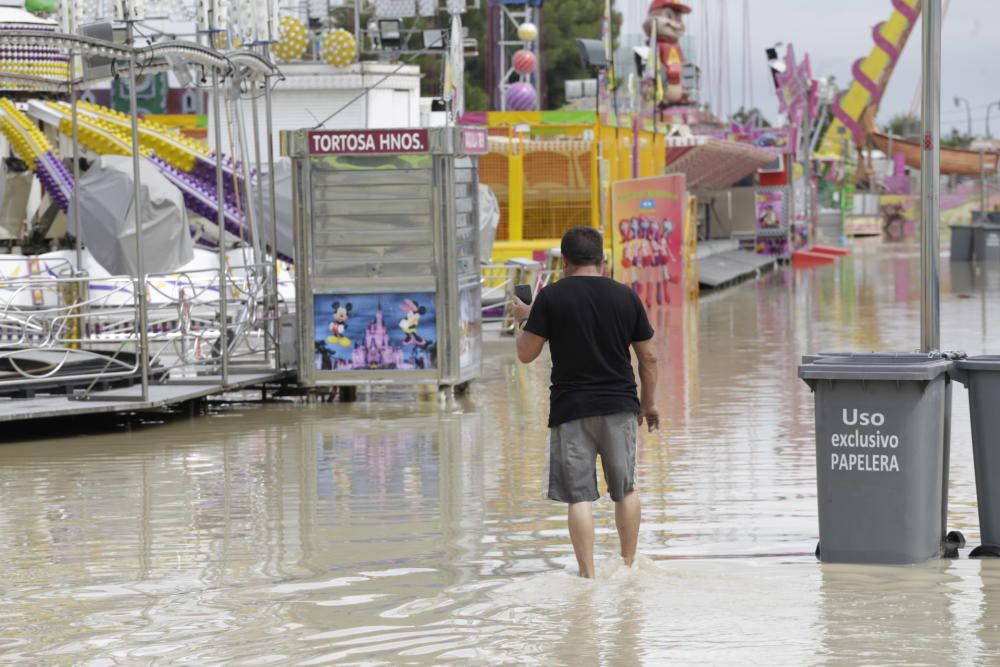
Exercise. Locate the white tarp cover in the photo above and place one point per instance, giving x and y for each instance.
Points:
(108, 231)
(283, 206)
(489, 221)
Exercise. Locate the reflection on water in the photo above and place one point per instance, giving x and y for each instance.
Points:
(402, 530)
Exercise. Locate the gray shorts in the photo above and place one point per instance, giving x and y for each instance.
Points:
(573, 450)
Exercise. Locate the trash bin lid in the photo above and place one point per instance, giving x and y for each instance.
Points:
(874, 366)
(986, 362)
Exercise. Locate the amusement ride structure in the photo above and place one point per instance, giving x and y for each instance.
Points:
(150, 241)
(854, 109)
(142, 261)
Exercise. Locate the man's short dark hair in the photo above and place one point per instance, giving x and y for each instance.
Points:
(583, 246)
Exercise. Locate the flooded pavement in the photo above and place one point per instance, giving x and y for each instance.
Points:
(404, 530)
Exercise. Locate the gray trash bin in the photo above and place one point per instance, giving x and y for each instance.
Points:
(881, 455)
(966, 277)
(982, 377)
(961, 243)
(986, 243)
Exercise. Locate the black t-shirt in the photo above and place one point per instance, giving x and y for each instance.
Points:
(590, 323)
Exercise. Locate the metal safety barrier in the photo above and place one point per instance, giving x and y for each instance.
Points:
(84, 333)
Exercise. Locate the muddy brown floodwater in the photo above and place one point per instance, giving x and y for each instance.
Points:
(412, 530)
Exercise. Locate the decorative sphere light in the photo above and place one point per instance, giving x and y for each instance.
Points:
(293, 39)
(525, 62)
(339, 48)
(527, 32)
(521, 97)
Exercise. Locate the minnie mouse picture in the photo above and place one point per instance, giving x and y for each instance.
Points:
(338, 327)
(410, 322)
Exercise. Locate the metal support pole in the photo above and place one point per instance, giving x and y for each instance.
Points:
(140, 264)
(807, 177)
(255, 120)
(76, 168)
(220, 219)
(357, 31)
(81, 291)
(790, 209)
(982, 181)
(260, 199)
(845, 151)
(930, 177)
(501, 74)
(268, 130)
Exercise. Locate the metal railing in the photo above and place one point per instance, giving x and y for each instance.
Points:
(80, 333)
(498, 282)
(88, 333)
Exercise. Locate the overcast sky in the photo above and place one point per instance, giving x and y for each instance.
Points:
(837, 33)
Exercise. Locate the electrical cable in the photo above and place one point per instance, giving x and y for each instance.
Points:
(378, 83)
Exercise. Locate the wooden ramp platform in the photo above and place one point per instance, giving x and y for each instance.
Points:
(127, 399)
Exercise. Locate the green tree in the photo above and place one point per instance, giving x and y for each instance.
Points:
(432, 66)
(904, 125)
(744, 116)
(956, 139)
(563, 22)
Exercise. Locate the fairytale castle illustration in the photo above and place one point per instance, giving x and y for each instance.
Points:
(377, 351)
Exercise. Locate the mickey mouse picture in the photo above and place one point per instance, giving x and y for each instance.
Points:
(410, 322)
(338, 327)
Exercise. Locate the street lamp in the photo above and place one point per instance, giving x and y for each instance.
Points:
(988, 109)
(968, 111)
(594, 58)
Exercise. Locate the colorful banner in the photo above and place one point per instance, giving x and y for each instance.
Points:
(796, 88)
(770, 214)
(770, 209)
(356, 332)
(777, 140)
(648, 216)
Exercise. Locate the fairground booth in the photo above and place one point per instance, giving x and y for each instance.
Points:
(388, 283)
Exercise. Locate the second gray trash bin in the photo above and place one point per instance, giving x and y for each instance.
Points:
(986, 243)
(880, 455)
(982, 376)
(961, 243)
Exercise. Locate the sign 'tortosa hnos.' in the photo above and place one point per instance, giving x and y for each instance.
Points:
(368, 142)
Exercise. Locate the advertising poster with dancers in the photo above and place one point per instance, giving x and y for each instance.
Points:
(648, 221)
(356, 332)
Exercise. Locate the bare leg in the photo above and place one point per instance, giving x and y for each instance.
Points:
(581, 533)
(627, 513)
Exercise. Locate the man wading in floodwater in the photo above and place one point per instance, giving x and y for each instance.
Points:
(590, 322)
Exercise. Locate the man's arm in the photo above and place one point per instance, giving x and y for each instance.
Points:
(647, 383)
(529, 345)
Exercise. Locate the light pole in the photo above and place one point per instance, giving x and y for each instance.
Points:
(930, 178)
(989, 108)
(968, 111)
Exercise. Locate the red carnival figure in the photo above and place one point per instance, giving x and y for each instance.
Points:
(665, 18)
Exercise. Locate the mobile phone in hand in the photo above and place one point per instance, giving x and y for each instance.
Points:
(524, 293)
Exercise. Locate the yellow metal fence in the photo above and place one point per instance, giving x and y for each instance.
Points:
(548, 179)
